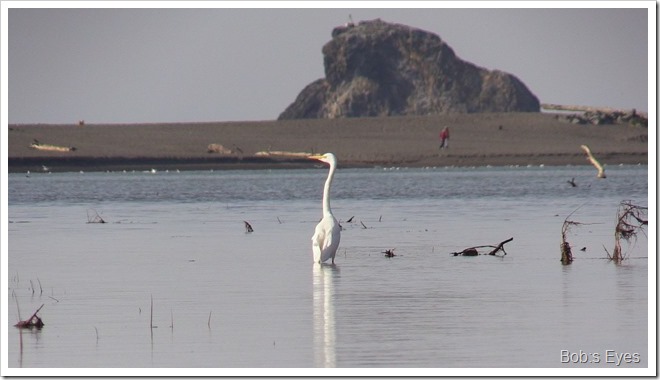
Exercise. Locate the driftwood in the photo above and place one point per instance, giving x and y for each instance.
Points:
(33, 322)
(218, 148)
(51, 148)
(631, 219)
(564, 246)
(474, 251)
(94, 217)
(248, 227)
(280, 153)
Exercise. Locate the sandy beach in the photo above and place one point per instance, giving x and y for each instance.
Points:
(475, 140)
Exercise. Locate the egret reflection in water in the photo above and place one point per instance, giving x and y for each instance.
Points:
(323, 288)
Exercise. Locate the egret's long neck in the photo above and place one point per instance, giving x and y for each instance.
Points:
(326, 190)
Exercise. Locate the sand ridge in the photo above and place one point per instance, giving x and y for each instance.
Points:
(412, 141)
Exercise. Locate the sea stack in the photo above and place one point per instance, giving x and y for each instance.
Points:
(376, 68)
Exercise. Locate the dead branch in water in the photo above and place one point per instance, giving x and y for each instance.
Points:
(389, 252)
(248, 227)
(631, 220)
(564, 246)
(94, 217)
(474, 251)
(33, 322)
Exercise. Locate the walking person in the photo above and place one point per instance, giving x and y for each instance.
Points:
(444, 138)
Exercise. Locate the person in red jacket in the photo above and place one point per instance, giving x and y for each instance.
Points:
(444, 138)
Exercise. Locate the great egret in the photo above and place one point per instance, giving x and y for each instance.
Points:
(594, 162)
(327, 234)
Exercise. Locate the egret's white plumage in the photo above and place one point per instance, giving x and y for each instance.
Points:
(327, 234)
(594, 161)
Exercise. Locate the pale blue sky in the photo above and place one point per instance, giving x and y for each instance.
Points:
(179, 65)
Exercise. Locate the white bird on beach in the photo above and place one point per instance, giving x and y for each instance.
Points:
(327, 234)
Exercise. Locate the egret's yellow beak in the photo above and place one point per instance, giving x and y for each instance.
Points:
(316, 156)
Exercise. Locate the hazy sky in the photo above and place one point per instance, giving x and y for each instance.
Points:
(177, 65)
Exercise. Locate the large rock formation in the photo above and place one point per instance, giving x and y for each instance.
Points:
(377, 68)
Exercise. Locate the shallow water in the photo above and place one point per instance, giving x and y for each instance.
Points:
(224, 298)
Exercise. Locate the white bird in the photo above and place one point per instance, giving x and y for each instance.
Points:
(327, 234)
(594, 162)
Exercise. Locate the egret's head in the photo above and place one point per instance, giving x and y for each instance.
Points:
(328, 158)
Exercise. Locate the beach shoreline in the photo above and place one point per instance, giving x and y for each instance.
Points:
(498, 139)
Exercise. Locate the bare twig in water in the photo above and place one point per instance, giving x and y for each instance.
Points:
(151, 316)
(499, 247)
(33, 322)
(18, 309)
(389, 252)
(94, 217)
(474, 251)
(209, 322)
(631, 220)
(248, 227)
(350, 220)
(564, 246)
(363, 226)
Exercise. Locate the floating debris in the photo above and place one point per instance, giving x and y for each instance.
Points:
(248, 227)
(389, 252)
(94, 217)
(33, 322)
(474, 251)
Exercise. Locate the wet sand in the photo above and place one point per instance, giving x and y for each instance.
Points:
(475, 140)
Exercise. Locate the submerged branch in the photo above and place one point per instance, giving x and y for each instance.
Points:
(474, 251)
(631, 220)
(33, 322)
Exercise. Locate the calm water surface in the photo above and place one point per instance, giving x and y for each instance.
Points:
(226, 298)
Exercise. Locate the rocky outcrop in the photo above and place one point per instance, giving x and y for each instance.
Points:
(606, 117)
(377, 68)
